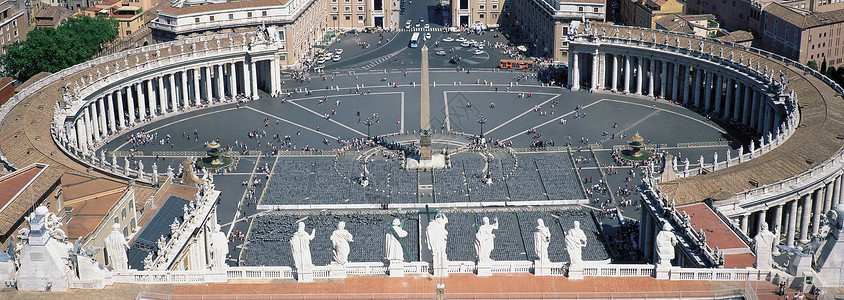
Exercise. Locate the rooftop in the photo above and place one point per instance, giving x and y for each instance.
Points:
(804, 19)
(177, 11)
(719, 235)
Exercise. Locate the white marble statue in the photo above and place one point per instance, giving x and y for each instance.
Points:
(154, 173)
(116, 246)
(764, 243)
(393, 245)
(437, 237)
(485, 240)
(541, 240)
(125, 166)
(300, 246)
(665, 242)
(575, 241)
(140, 169)
(113, 160)
(340, 239)
(219, 248)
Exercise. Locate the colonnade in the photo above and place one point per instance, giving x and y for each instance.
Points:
(716, 91)
(128, 104)
(797, 218)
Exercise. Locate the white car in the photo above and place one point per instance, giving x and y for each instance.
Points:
(460, 39)
(478, 52)
(428, 36)
(481, 46)
(427, 26)
(338, 51)
(465, 44)
(418, 24)
(336, 58)
(321, 60)
(448, 39)
(441, 53)
(407, 24)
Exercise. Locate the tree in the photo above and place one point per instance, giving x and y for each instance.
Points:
(53, 49)
(823, 66)
(812, 64)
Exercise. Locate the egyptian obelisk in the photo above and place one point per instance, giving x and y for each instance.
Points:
(425, 128)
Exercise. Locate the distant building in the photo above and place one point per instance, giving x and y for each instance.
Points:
(51, 16)
(645, 13)
(479, 13)
(740, 37)
(132, 15)
(542, 25)
(700, 25)
(13, 24)
(803, 35)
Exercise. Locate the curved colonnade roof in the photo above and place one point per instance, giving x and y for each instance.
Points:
(815, 140)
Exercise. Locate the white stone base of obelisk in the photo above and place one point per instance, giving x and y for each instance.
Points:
(437, 162)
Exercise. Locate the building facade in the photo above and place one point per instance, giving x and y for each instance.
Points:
(645, 13)
(804, 36)
(13, 25)
(351, 14)
(543, 25)
(479, 13)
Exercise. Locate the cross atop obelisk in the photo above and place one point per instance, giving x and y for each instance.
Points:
(425, 128)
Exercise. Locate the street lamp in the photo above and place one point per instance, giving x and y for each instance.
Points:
(368, 122)
(482, 120)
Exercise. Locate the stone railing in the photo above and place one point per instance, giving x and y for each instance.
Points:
(169, 277)
(619, 270)
(748, 274)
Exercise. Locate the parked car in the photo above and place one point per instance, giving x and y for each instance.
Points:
(466, 44)
(478, 52)
(460, 39)
(407, 24)
(428, 36)
(336, 58)
(448, 39)
(321, 60)
(427, 26)
(441, 53)
(338, 51)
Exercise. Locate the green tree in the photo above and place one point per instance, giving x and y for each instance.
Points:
(812, 64)
(53, 49)
(823, 66)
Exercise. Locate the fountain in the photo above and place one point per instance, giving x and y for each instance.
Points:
(635, 153)
(215, 158)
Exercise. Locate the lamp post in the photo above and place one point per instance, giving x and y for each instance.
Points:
(482, 120)
(368, 122)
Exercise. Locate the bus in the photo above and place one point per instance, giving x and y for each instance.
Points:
(414, 40)
(515, 64)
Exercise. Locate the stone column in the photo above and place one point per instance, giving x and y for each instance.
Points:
(196, 87)
(696, 86)
(804, 221)
(101, 117)
(818, 205)
(775, 124)
(81, 142)
(184, 89)
(120, 113)
(718, 95)
(707, 90)
(760, 126)
(652, 72)
(778, 220)
(676, 76)
(836, 193)
(827, 202)
(142, 109)
(614, 72)
(574, 78)
(221, 85)
(233, 79)
(154, 96)
(737, 102)
(93, 124)
(662, 76)
(174, 97)
(747, 106)
(253, 79)
(763, 218)
(596, 65)
(209, 97)
(769, 118)
(686, 85)
(111, 112)
(639, 73)
(247, 79)
(627, 78)
(744, 224)
(754, 110)
(728, 105)
(130, 101)
(792, 223)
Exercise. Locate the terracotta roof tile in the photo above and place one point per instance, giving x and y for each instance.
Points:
(220, 6)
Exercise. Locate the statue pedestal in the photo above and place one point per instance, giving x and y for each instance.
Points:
(436, 161)
(305, 275)
(396, 268)
(663, 272)
(336, 271)
(484, 269)
(575, 272)
(541, 268)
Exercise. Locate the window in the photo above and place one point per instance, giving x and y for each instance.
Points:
(196, 20)
(231, 16)
(348, 8)
(482, 6)
(360, 18)
(348, 18)
(249, 14)
(334, 17)
(334, 9)
(595, 9)
(125, 231)
(580, 8)
(264, 13)
(481, 16)
(360, 8)
(123, 213)
(495, 6)
(15, 23)
(211, 18)
(281, 35)
(16, 32)
(115, 220)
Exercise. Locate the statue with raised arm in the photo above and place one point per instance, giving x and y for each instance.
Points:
(485, 240)
(300, 246)
(764, 243)
(575, 241)
(116, 246)
(665, 242)
(394, 250)
(340, 240)
(541, 240)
